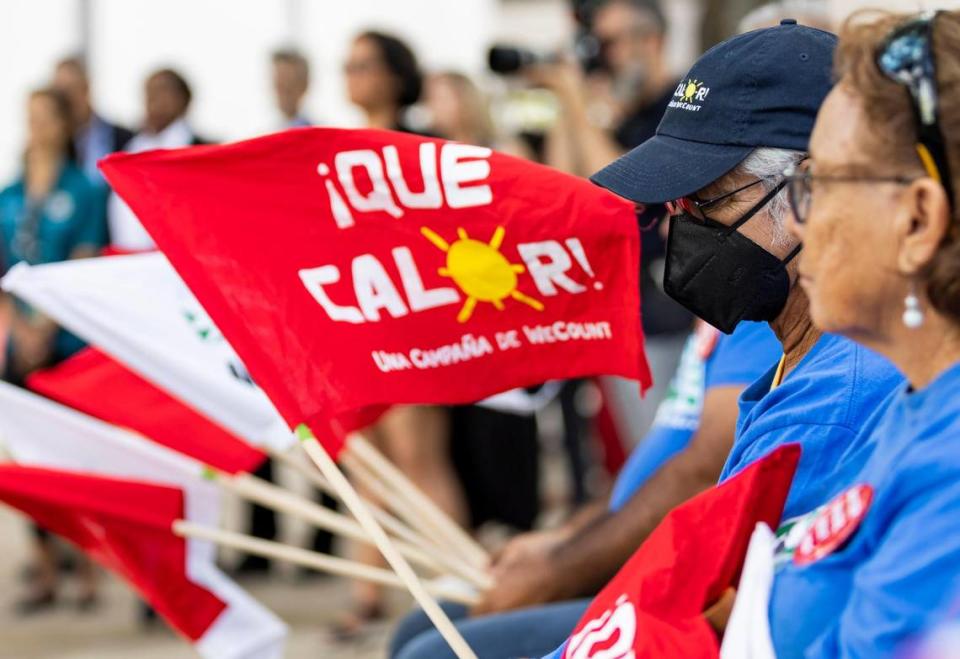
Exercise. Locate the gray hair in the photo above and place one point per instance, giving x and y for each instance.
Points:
(768, 164)
(814, 13)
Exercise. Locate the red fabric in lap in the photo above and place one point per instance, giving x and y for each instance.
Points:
(654, 605)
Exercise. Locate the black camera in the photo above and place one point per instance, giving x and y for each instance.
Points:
(507, 60)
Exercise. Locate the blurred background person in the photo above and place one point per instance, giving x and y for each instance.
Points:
(602, 115)
(93, 136)
(51, 212)
(291, 80)
(383, 79)
(167, 97)
(458, 110)
(495, 449)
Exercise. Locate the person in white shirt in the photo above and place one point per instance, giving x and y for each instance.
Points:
(291, 79)
(167, 97)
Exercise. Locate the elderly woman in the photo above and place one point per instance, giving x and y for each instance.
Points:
(876, 208)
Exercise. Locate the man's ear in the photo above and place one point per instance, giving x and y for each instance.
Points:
(921, 225)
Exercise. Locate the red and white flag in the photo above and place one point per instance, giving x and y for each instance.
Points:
(653, 608)
(353, 270)
(137, 310)
(188, 590)
(95, 384)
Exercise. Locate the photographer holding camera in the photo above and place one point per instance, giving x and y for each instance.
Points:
(604, 113)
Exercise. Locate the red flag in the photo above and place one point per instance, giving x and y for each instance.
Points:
(124, 525)
(356, 269)
(101, 387)
(654, 606)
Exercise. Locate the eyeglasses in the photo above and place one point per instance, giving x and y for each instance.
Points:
(800, 181)
(698, 207)
(906, 57)
(359, 67)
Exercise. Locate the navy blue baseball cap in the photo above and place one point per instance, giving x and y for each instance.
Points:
(758, 89)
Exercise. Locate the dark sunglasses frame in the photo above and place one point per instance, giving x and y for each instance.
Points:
(690, 202)
(906, 57)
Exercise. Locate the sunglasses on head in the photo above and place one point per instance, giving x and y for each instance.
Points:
(906, 57)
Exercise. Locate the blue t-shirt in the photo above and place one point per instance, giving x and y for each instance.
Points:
(897, 571)
(823, 404)
(709, 359)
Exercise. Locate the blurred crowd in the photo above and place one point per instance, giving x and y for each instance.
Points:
(578, 108)
(590, 104)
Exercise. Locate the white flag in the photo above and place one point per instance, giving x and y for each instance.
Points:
(137, 310)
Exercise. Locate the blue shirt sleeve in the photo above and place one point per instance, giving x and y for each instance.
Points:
(743, 356)
(821, 443)
(900, 589)
(737, 359)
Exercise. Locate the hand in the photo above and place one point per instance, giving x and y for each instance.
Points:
(718, 615)
(525, 582)
(523, 573)
(564, 78)
(526, 546)
(32, 345)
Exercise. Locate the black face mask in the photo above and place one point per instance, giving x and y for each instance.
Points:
(722, 276)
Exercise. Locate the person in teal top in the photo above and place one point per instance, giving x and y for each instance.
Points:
(876, 208)
(52, 212)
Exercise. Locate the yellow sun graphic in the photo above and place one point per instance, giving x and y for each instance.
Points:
(480, 270)
(690, 89)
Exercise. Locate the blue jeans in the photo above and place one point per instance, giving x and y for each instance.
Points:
(532, 632)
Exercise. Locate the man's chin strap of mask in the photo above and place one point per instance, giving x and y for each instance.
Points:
(759, 206)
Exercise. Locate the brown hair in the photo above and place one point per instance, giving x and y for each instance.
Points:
(888, 108)
(64, 111)
(473, 104)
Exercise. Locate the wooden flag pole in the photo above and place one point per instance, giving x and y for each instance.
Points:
(260, 491)
(453, 562)
(255, 489)
(403, 570)
(426, 541)
(444, 552)
(359, 448)
(388, 521)
(310, 559)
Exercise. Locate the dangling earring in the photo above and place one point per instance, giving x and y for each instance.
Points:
(912, 313)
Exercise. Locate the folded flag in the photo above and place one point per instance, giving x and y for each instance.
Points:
(357, 269)
(654, 607)
(41, 433)
(95, 384)
(747, 635)
(138, 311)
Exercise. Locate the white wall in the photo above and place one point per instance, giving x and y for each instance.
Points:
(33, 34)
(223, 48)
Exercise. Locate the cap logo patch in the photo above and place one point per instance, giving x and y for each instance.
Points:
(690, 95)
